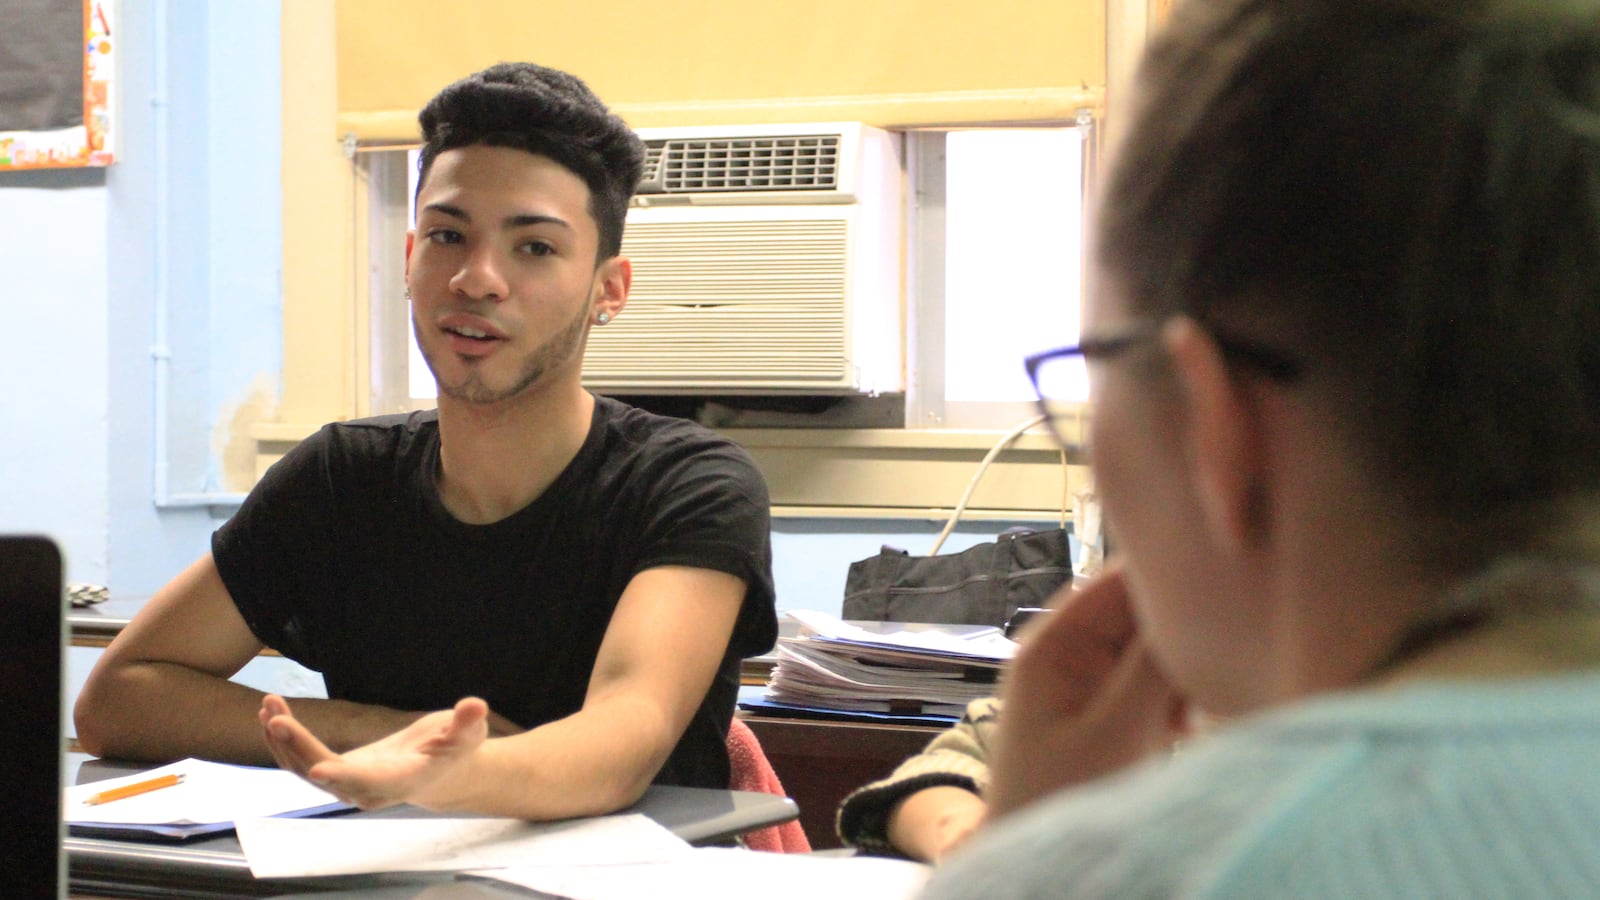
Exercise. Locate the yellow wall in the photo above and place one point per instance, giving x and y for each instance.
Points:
(707, 62)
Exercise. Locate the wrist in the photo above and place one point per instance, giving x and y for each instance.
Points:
(928, 823)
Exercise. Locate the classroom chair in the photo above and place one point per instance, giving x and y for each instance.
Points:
(751, 771)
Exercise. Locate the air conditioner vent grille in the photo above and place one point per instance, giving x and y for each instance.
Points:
(652, 162)
(781, 163)
(736, 306)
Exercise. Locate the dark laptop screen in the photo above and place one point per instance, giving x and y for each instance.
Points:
(32, 641)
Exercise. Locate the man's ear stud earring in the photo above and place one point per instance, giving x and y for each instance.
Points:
(603, 318)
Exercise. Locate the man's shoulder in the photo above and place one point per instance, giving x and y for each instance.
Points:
(392, 423)
(379, 433)
(375, 447)
(622, 416)
(641, 431)
(651, 457)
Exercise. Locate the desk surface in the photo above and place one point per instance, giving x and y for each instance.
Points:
(95, 626)
(215, 867)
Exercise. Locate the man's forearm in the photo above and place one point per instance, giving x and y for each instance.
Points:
(160, 711)
(593, 762)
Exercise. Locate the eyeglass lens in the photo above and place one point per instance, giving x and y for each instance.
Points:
(1063, 384)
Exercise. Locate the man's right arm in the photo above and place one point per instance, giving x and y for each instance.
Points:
(161, 690)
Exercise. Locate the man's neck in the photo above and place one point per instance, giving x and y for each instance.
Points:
(495, 459)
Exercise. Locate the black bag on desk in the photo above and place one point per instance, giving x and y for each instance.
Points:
(982, 585)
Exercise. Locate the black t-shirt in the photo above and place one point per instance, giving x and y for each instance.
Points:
(345, 560)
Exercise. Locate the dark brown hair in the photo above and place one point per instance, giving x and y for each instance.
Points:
(1404, 196)
(543, 111)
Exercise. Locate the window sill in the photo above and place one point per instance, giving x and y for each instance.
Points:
(875, 473)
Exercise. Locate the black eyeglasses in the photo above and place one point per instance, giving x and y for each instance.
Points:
(1060, 377)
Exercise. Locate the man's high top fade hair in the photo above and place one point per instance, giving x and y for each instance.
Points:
(543, 111)
(1405, 195)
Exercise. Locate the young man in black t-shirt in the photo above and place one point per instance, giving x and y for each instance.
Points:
(531, 602)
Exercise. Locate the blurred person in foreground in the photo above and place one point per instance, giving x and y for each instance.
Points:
(1345, 365)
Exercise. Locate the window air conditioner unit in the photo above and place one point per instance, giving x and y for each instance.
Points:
(766, 260)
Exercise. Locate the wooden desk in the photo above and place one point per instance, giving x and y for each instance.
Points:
(820, 762)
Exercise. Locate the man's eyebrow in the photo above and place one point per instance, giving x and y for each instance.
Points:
(525, 219)
(522, 220)
(455, 212)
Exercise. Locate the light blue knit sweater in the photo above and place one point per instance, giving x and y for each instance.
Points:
(1443, 789)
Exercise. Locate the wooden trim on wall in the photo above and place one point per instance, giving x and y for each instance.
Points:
(320, 311)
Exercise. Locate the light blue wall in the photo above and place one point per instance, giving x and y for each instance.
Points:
(53, 452)
(184, 230)
(195, 242)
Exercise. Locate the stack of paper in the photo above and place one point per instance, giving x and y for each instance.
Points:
(835, 665)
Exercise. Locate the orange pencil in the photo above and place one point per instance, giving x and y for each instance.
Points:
(133, 790)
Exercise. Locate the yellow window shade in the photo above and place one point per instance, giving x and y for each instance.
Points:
(699, 62)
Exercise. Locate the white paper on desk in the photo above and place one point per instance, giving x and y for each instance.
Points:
(210, 792)
(714, 873)
(987, 643)
(351, 845)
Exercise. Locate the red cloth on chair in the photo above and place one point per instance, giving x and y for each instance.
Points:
(752, 772)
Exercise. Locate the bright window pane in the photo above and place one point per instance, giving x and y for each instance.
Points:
(1013, 255)
(421, 385)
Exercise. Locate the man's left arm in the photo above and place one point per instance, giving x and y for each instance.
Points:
(661, 651)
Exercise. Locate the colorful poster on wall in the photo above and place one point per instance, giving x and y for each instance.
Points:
(88, 143)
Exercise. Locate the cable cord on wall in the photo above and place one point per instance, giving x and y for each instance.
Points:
(1066, 489)
(972, 485)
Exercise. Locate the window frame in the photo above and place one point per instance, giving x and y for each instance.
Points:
(387, 173)
(927, 403)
